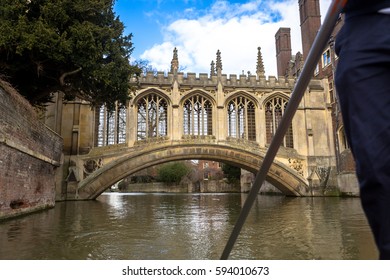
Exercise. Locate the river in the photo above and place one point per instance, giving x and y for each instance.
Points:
(190, 226)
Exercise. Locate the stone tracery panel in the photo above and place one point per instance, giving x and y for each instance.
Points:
(152, 117)
(197, 116)
(241, 118)
(111, 125)
(274, 110)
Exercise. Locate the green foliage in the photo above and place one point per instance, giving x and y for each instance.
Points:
(232, 173)
(73, 46)
(173, 172)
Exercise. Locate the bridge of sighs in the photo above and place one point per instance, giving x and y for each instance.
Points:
(175, 116)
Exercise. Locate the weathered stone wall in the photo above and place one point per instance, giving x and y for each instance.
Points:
(29, 156)
(205, 186)
(155, 187)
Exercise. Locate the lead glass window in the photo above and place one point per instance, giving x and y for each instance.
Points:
(151, 117)
(274, 110)
(241, 118)
(197, 116)
(111, 125)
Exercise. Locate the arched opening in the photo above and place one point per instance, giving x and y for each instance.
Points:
(111, 125)
(152, 117)
(281, 176)
(274, 110)
(241, 118)
(343, 143)
(197, 116)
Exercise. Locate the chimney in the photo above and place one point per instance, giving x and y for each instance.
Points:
(310, 18)
(283, 50)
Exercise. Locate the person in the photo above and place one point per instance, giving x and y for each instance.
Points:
(363, 85)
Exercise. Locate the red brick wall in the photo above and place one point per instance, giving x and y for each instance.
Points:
(29, 156)
(283, 50)
(310, 19)
(346, 162)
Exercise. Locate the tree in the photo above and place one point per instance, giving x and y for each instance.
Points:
(232, 173)
(73, 46)
(173, 172)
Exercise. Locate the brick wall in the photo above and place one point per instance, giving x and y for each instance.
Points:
(347, 163)
(29, 156)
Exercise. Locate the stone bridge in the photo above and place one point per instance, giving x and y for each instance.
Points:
(109, 165)
(213, 117)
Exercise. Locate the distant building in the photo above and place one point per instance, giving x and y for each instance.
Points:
(289, 65)
(209, 170)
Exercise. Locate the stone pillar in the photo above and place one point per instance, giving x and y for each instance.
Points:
(131, 125)
(176, 117)
(220, 128)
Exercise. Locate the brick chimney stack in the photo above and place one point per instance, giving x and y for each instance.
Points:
(310, 18)
(283, 50)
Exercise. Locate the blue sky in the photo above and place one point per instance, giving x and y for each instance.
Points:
(198, 28)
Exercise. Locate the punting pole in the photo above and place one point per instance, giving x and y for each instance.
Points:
(314, 55)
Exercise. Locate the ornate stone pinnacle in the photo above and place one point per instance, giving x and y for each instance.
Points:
(260, 65)
(175, 62)
(212, 69)
(219, 63)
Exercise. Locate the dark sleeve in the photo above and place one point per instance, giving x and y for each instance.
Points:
(365, 5)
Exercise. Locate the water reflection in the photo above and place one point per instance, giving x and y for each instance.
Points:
(190, 226)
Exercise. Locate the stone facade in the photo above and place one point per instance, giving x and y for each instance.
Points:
(310, 21)
(30, 153)
(309, 153)
(233, 111)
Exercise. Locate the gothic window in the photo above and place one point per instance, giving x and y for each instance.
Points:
(343, 143)
(197, 116)
(241, 118)
(151, 117)
(274, 110)
(111, 125)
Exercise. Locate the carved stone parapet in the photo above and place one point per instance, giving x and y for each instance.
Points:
(198, 138)
(98, 151)
(154, 140)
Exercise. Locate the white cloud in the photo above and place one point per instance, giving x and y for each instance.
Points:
(236, 30)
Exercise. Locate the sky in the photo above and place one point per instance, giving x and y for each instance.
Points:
(199, 28)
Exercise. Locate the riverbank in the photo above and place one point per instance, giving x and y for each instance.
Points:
(30, 153)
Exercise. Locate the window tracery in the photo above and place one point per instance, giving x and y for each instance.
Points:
(274, 110)
(111, 125)
(197, 116)
(241, 118)
(151, 117)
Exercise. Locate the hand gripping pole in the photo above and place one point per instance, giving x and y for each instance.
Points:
(314, 55)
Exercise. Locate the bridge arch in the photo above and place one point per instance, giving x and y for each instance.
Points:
(287, 180)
